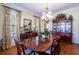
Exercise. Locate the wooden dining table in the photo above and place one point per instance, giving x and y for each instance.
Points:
(42, 46)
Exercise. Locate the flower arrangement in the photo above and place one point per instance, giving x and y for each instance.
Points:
(44, 35)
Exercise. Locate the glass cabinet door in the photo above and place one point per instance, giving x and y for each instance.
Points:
(62, 27)
(68, 27)
(58, 27)
(54, 27)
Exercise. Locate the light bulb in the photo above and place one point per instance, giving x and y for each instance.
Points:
(43, 13)
(49, 12)
(50, 17)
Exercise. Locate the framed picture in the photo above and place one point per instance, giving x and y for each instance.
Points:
(27, 24)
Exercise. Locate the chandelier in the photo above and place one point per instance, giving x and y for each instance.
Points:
(46, 15)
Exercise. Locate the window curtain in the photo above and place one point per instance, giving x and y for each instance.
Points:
(34, 23)
(45, 25)
(37, 24)
(6, 29)
(18, 19)
(11, 27)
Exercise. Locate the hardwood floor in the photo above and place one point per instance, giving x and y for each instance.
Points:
(69, 49)
(66, 49)
(10, 51)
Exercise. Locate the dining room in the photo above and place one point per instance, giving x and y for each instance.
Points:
(39, 29)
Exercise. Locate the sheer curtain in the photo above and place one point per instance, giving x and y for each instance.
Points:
(11, 28)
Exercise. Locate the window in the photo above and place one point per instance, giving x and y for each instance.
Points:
(13, 24)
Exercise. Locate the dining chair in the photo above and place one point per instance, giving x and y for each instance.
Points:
(25, 50)
(22, 50)
(56, 45)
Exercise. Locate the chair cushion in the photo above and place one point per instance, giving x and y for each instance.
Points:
(48, 51)
(28, 50)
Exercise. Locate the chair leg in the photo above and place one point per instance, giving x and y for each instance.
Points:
(18, 51)
(34, 52)
(58, 49)
(23, 49)
(51, 50)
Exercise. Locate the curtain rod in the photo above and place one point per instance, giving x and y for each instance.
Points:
(11, 8)
(36, 16)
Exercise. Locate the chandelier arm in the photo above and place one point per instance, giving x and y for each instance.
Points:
(46, 14)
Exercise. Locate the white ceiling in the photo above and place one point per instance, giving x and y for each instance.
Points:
(40, 7)
(53, 7)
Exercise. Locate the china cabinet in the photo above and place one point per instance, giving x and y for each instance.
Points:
(63, 27)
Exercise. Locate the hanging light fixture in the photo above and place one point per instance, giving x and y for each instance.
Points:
(46, 15)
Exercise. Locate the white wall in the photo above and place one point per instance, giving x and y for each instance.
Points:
(75, 13)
